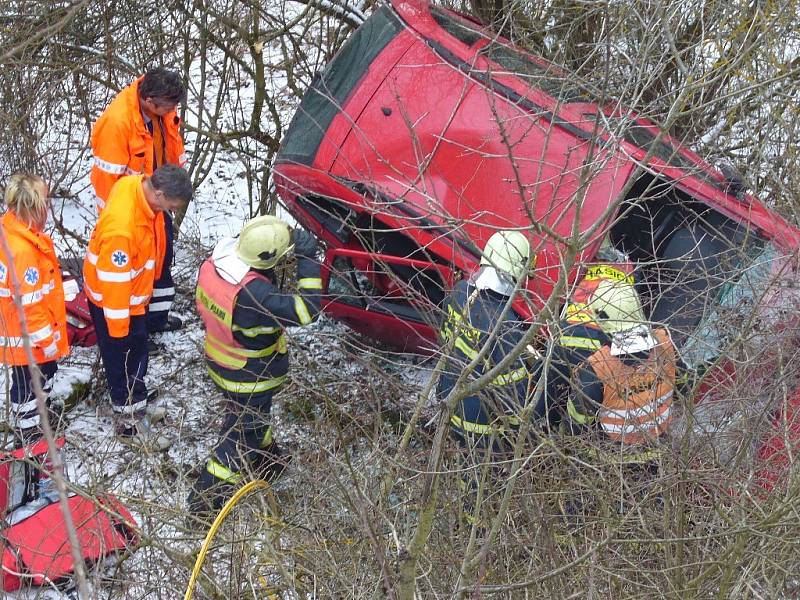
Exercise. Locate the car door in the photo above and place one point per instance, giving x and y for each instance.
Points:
(387, 297)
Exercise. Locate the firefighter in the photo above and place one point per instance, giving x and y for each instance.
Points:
(30, 275)
(478, 311)
(126, 251)
(136, 134)
(612, 373)
(245, 312)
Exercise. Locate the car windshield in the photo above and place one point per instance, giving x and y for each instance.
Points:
(747, 309)
(539, 75)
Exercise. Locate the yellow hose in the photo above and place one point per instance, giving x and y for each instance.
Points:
(212, 531)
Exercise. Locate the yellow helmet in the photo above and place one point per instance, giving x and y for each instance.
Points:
(508, 252)
(264, 241)
(616, 306)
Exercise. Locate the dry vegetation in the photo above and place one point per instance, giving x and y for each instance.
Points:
(371, 506)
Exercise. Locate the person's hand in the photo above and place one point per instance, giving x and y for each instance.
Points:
(305, 244)
(51, 350)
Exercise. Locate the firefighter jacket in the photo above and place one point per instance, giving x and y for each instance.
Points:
(41, 295)
(123, 145)
(245, 314)
(637, 396)
(628, 397)
(125, 255)
(471, 317)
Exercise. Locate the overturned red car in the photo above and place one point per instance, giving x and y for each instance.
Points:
(427, 133)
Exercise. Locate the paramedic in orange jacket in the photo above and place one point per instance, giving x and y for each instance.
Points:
(126, 250)
(138, 133)
(611, 371)
(30, 276)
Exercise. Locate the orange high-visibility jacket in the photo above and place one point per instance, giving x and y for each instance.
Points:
(122, 144)
(41, 294)
(637, 400)
(126, 251)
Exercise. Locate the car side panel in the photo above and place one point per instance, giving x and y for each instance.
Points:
(468, 157)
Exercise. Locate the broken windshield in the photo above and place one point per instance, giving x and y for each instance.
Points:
(747, 309)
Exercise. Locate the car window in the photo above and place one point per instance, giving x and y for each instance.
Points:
(538, 75)
(746, 309)
(461, 30)
(543, 76)
(328, 92)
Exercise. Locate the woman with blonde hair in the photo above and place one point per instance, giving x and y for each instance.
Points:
(32, 310)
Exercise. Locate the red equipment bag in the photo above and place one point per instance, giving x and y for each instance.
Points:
(16, 474)
(80, 329)
(36, 550)
(34, 545)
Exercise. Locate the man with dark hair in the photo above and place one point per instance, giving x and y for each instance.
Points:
(138, 133)
(162, 86)
(126, 251)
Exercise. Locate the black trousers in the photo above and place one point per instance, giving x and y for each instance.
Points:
(23, 399)
(124, 361)
(246, 429)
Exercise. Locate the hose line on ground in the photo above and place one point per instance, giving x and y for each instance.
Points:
(247, 489)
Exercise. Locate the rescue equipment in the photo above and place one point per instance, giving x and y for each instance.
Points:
(80, 329)
(34, 543)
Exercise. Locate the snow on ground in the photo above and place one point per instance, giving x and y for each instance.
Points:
(155, 487)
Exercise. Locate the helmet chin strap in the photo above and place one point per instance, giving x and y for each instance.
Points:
(489, 278)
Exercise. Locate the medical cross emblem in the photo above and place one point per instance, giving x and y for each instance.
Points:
(31, 275)
(119, 258)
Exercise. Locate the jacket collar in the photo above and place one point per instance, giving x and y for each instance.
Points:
(134, 106)
(14, 225)
(141, 201)
(227, 263)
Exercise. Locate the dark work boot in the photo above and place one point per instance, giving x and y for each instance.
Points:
(172, 323)
(270, 462)
(207, 497)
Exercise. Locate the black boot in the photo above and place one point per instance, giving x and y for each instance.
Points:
(207, 497)
(270, 462)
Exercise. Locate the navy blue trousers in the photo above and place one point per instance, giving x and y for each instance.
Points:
(164, 286)
(23, 400)
(124, 361)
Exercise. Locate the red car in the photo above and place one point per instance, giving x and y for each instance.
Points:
(426, 133)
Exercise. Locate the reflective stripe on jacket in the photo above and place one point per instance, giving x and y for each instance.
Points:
(41, 294)
(216, 301)
(122, 144)
(471, 317)
(125, 255)
(637, 399)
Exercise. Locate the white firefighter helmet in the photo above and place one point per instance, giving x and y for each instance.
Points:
(618, 311)
(508, 252)
(264, 241)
